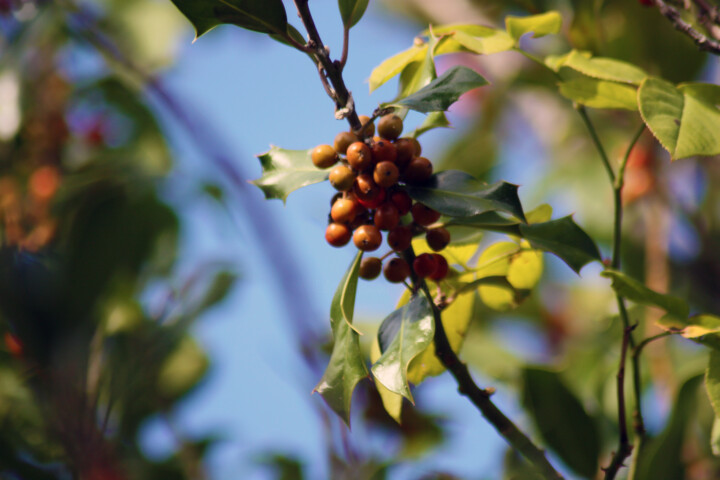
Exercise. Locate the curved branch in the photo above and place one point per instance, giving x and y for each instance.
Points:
(702, 41)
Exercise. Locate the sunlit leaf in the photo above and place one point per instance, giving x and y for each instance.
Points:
(525, 269)
(715, 437)
(403, 335)
(183, 369)
(599, 93)
(635, 291)
(392, 402)
(284, 171)
(352, 11)
(266, 16)
(477, 38)
(438, 95)
(432, 120)
(540, 214)
(420, 73)
(346, 367)
(395, 64)
(457, 194)
(682, 119)
(562, 421)
(564, 238)
(703, 329)
(494, 263)
(544, 24)
(604, 68)
(662, 457)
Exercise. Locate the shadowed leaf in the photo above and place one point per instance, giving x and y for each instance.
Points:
(564, 238)
(352, 11)
(635, 291)
(265, 16)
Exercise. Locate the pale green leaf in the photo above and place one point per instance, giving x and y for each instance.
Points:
(682, 119)
(540, 214)
(604, 68)
(599, 93)
(396, 64)
(182, 369)
(485, 42)
(432, 120)
(544, 24)
(420, 73)
(525, 269)
(402, 336)
(284, 171)
(392, 402)
(352, 11)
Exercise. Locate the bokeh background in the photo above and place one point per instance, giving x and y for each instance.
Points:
(125, 151)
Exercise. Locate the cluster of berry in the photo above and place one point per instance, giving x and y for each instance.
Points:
(370, 173)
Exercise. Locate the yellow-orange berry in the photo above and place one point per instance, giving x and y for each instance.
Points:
(337, 234)
(324, 156)
(368, 127)
(386, 174)
(342, 178)
(359, 156)
(343, 140)
(367, 238)
(344, 210)
(390, 126)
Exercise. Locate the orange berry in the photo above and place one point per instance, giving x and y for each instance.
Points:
(44, 182)
(368, 128)
(343, 140)
(342, 178)
(396, 270)
(344, 210)
(370, 268)
(424, 215)
(324, 156)
(13, 345)
(359, 156)
(384, 151)
(337, 234)
(390, 126)
(367, 238)
(386, 174)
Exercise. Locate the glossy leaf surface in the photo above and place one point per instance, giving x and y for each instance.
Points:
(284, 171)
(457, 194)
(438, 95)
(564, 238)
(266, 16)
(347, 366)
(604, 68)
(352, 11)
(403, 335)
(562, 421)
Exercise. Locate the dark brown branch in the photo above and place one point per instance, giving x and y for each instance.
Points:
(702, 41)
(624, 448)
(346, 46)
(344, 105)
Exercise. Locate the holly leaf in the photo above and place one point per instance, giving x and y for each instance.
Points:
(346, 367)
(395, 64)
(603, 68)
(438, 95)
(284, 171)
(685, 120)
(544, 24)
(562, 421)
(599, 93)
(352, 11)
(635, 291)
(432, 120)
(419, 73)
(703, 329)
(403, 335)
(564, 238)
(458, 194)
(476, 38)
(265, 16)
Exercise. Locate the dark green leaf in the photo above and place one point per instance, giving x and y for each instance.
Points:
(266, 16)
(352, 11)
(564, 238)
(488, 221)
(284, 171)
(457, 194)
(438, 95)
(346, 367)
(562, 420)
(662, 457)
(404, 334)
(637, 292)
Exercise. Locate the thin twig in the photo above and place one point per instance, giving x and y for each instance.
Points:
(701, 40)
(624, 448)
(346, 47)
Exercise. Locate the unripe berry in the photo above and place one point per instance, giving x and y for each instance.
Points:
(359, 156)
(368, 128)
(343, 140)
(386, 174)
(424, 215)
(396, 270)
(337, 234)
(344, 210)
(418, 170)
(386, 216)
(370, 268)
(402, 201)
(400, 238)
(384, 151)
(390, 126)
(442, 268)
(405, 151)
(367, 238)
(342, 178)
(437, 238)
(324, 156)
(425, 265)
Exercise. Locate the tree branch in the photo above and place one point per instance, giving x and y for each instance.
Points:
(702, 41)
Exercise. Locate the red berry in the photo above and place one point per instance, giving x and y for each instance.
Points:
(437, 238)
(402, 201)
(425, 265)
(418, 170)
(367, 238)
(405, 151)
(396, 270)
(386, 216)
(373, 199)
(384, 151)
(337, 234)
(423, 215)
(13, 345)
(442, 268)
(400, 238)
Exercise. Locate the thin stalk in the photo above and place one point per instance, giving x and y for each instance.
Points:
(596, 141)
